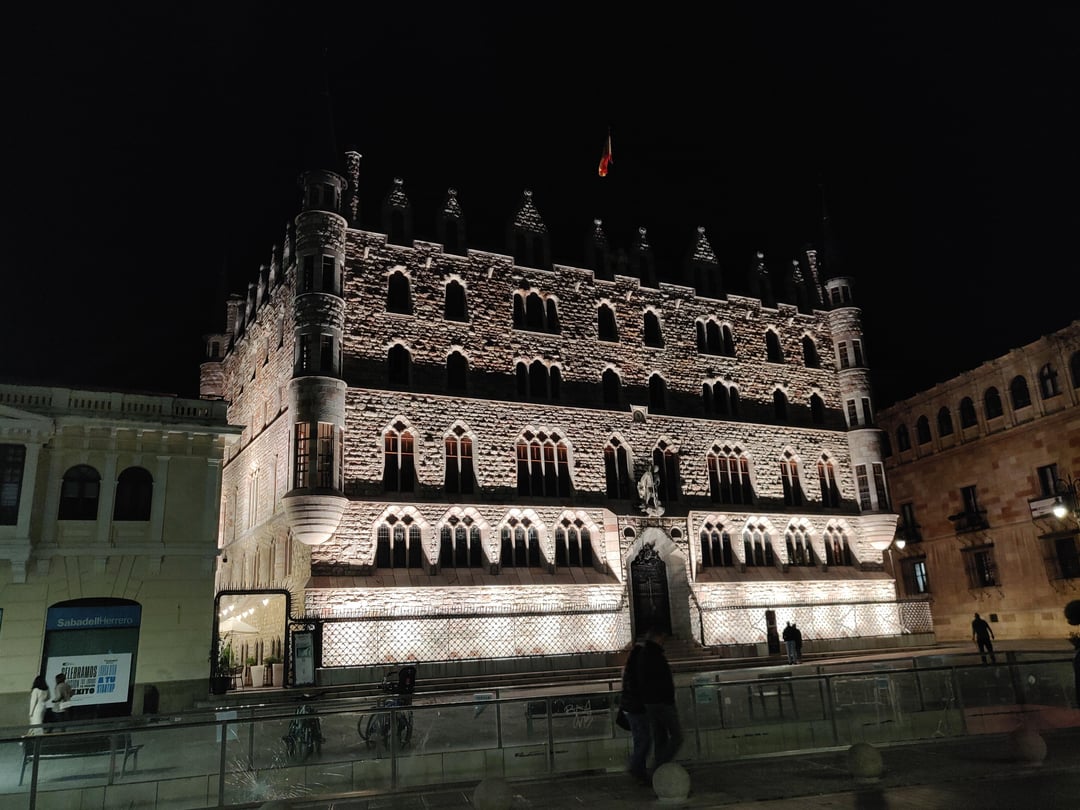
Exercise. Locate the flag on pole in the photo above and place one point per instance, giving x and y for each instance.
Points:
(606, 159)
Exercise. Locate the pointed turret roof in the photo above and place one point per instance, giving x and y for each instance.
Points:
(527, 217)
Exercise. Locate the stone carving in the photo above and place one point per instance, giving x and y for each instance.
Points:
(650, 500)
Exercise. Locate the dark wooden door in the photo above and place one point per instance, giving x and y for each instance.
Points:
(648, 580)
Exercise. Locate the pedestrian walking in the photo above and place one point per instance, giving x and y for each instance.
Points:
(982, 635)
(39, 697)
(789, 643)
(656, 686)
(631, 704)
(61, 705)
(797, 634)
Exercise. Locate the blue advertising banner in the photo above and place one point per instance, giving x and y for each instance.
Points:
(104, 617)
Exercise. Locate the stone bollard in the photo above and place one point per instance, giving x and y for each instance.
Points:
(671, 783)
(493, 793)
(1028, 746)
(864, 763)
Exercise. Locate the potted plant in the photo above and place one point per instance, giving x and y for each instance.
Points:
(221, 672)
(276, 670)
(253, 674)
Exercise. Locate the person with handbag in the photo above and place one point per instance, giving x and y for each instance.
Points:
(632, 712)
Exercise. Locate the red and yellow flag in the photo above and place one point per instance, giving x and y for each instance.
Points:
(605, 159)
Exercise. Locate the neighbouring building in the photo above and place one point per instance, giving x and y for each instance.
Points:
(109, 507)
(976, 466)
(456, 454)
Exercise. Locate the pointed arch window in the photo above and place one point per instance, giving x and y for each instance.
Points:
(708, 337)
(729, 476)
(573, 545)
(519, 542)
(773, 352)
(398, 294)
(457, 372)
(992, 403)
(837, 551)
(666, 458)
(944, 422)
(657, 394)
(757, 546)
(460, 545)
(605, 324)
(715, 546)
(79, 493)
(543, 467)
(454, 308)
(654, 336)
(817, 410)
(811, 358)
(789, 475)
(459, 478)
(727, 340)
(1019, 393)
(922, 430)
(399, 467)
(720, 400)
(398, 365)
(399, 543)
(617, 470)
(611, 385)
(830, 488)
(780, 405)
(799, 549)
(134, 494)
(967, 413)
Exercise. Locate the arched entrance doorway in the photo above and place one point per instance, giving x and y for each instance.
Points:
(649, 584)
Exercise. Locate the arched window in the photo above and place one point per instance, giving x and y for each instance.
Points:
(617, 470)
(134, 493)
(757, 546)
(717, 399)
(708, 337)
(830, 489)
(837, 551)
(967, 413)
(922, 430)
(728, 341)
(667, 459)
(459, 478)
(1048, 382)
(729, 476)
(780, 403)
(653, 335)
(811, 358)
(460, 545)
(605, 324)
(399, 468)
(543, 467)
(573, 545)
(773, 352)
(657, 394)
(789, 475)
(519, 542)
(903, 440)
(611, 385)
(944, 422)
(457, 372)
(454, 308)
(992, 403)
(715, 547)
(398, 295)
(1018, 392)
(79, 493)
(534, 312)
(399, 544)
(799, 550)
(398, 365)
(817, 409)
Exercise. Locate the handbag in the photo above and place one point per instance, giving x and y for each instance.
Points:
(622, 721)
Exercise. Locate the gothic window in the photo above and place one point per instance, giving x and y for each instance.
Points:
(329, 275)
(573, 546)
(134, 492)
(729, 476)
(459, 478)
(842, 352)
(398, 365)
(773, 352)
(535, 314)
(1018, 391)
(944, 422)
(830, 489)
(399, 544)
(811, 358)
(799, 550)
(757, 546)
(543, 467)
(454, 307)
(605, 324)
(611, 385)
(302, 455)
(1048, 382)
(617, 470)
(728, 341)
(862, 482)
(653, 335)
(657, 394)
(992, 403)
(879, 486)
(519, 542)
(837, 551)
(780, 403)
(460, 544)
(922, 430)
(12, 459)
(967, 413)
(856, 350)
(538, 381)
(715, 547)
(817, 409)
(903, 440)
(789, 475)
(399, 468)
(708, 337)
(79, 493)
(457, 372)
(667, 459)
(852, 413)
(552, 312)
(717, 398)
(398, 294)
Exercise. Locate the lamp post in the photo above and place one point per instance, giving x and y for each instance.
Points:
(1065, 499)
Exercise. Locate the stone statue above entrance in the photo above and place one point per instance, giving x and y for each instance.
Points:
(650, 500)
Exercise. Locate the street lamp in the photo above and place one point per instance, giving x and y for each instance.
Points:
(1065, 500)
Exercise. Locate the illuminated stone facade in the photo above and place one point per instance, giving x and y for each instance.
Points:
(438, 439)
(974, 466)
(106, 497)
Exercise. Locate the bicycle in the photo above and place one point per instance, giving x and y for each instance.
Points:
(377, 726)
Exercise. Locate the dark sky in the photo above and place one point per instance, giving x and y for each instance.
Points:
(152, 153)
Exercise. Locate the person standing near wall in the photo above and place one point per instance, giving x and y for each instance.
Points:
(789, 643)
(657, 689)
(796, 633)
(631, 704)
(62, 702)
(39, 698)
(982, 635)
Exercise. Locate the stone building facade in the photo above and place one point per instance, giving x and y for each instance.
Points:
(447, 452)
(109, 506)
(976, 465)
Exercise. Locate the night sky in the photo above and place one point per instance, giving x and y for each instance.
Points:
(153, 148)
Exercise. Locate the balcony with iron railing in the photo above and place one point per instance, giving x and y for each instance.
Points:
(971, 520)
